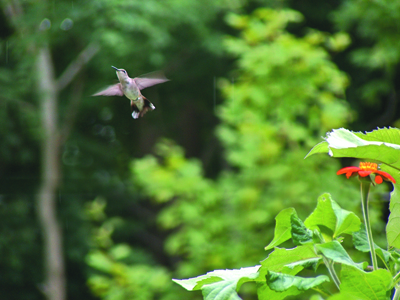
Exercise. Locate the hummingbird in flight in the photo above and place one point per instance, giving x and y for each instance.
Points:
(130, 87)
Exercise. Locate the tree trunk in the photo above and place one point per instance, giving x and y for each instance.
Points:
(55, 283)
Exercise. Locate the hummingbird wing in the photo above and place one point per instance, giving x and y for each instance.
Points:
(150, 79)
(112, 90)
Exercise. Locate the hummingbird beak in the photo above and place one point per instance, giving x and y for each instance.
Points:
(114, 68)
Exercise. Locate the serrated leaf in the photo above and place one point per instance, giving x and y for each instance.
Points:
(330, 215)
(319, 148)
(343, 138)
(388, 135)
(375, 285)
(335, 251)
(281, 282)
(370, 146)
(300, 233)
(282, 228)
(360, 241)
(220, 284)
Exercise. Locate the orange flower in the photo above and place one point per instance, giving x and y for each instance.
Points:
(366, 169)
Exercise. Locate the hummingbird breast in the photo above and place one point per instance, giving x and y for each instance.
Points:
(130, 90)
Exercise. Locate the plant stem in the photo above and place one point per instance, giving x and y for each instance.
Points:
(328, 263)
(332, 271)
(396, 295)
(396, 278)
(365, 187)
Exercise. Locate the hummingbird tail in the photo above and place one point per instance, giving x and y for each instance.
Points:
(136, 113)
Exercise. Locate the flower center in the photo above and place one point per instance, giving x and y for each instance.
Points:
(368, 166)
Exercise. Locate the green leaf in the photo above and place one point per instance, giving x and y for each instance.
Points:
(282, 228)
(316, 296)
(388, 135)
(304, 256)
(323, 214)
(266, 293)
(120, 251)
(334, 251)
(347, 221)
(344, 296)
(281, 282)
(393, 225)
(360, 241)
(381, 145)
(374, 285)
(319, 148)
(100, 261)
(197, 283)
(220, 291)
(220, 284)
(330, 215)
(300, 233)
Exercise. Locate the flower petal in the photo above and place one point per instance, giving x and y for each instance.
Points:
(378, 179)
(348, 170)
(366, 169)
(364, 173)
(386, 176)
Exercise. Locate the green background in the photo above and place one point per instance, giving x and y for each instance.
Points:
(194, 185)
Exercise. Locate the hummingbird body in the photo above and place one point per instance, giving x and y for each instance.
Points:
(130, 87)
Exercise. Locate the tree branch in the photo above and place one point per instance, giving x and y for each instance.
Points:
(75, 66)
(46, 202)
(71, 111)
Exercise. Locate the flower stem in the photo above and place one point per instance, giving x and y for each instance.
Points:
(365, 187)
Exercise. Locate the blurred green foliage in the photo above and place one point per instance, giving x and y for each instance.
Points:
(122, 272)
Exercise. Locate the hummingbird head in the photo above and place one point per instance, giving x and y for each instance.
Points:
(121, 73)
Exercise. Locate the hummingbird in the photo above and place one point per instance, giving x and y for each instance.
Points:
(130, 87)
